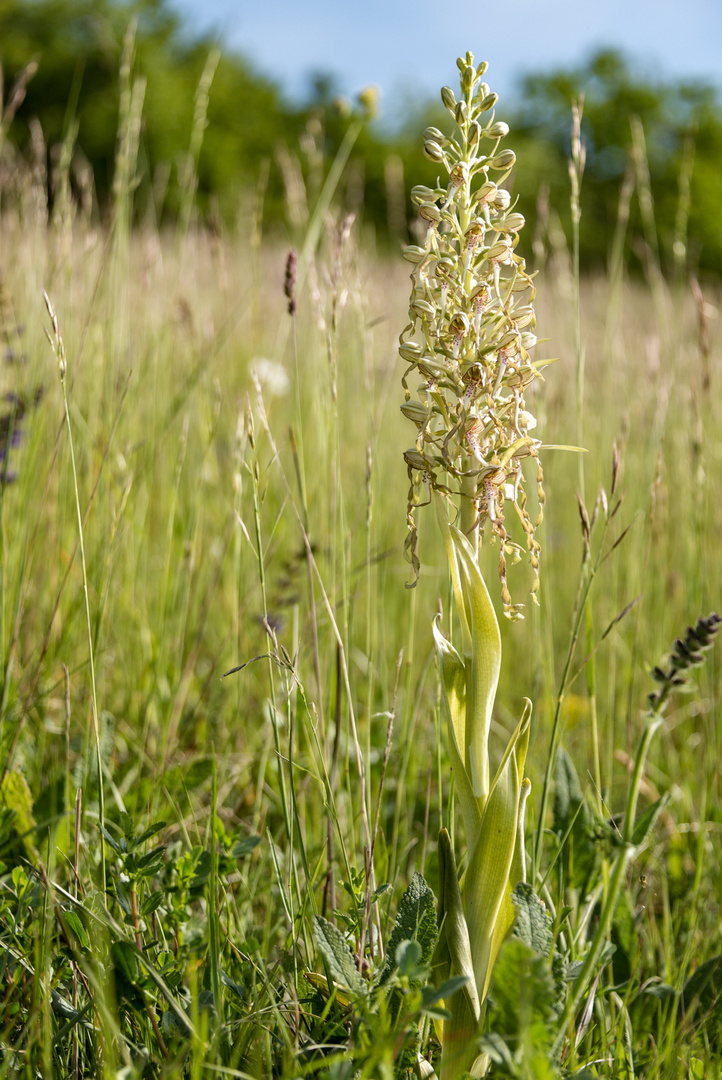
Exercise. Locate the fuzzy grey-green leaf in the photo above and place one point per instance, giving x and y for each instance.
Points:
(337, 955)
(415, 921)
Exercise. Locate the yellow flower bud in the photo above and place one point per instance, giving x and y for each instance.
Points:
(414, 254)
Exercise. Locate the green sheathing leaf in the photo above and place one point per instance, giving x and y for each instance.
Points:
(452, 959)
(453, 684)
(482, 670)
(341, 964)
(487, 877)
(452, 955)
(451, 554)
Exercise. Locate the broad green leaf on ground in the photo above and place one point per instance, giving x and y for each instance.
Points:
(533, 923)
(533, 926)
(415, 921)
(341, 964)
(523, 996)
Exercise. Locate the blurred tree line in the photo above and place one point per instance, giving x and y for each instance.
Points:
(653, 147)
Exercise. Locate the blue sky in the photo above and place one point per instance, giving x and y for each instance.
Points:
(409, 47)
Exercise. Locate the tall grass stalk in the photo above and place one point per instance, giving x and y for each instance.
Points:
(58, 347)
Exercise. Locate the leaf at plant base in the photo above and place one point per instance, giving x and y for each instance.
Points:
(341, 963)
(523, 994)
(453, 686)
(486, 884)
(646, 821)
(452, 955)
(415, 921)
(533, 926)
(533, 923)
(482, 676)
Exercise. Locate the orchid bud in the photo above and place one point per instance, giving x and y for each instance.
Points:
(415, 411)
(411, 351)
(433, 151)
(504, 160)
(423, 309)
(487, 192)
(420, 194)
(497, 130)
(429, 211)
(414, 254)
(511, 223)
(523, 316)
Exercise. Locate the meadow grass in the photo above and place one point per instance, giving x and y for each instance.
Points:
(241, 489)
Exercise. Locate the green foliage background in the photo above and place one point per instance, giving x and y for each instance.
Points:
(78, 45)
